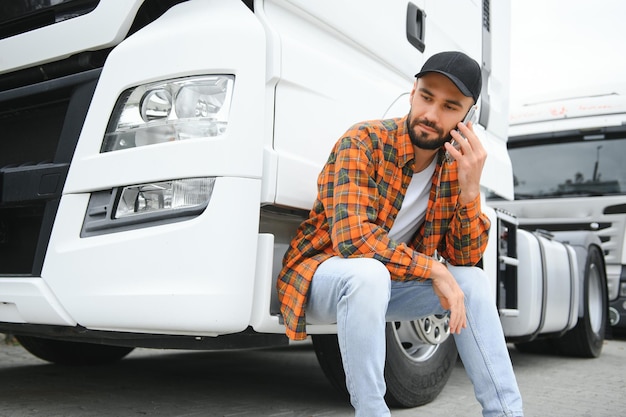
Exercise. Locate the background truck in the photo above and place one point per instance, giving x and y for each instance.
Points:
(157, 156)
(568, 164)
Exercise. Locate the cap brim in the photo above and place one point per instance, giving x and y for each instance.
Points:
(459, 84)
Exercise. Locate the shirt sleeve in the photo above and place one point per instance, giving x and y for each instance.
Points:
(352, 209)
(467, 235)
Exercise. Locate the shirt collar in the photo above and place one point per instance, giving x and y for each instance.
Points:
(405, 146)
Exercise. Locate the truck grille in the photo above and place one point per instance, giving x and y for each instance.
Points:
(40, 125)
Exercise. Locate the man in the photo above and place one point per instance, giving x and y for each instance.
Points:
(389, 204)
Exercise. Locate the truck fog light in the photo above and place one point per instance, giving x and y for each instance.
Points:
(179, 109)
(622, 289)
(164, 196)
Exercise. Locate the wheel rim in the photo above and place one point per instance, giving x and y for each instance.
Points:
(594, 298)
(421, 338)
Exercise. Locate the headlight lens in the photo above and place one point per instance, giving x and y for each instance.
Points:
(187, 108)
(164, 196)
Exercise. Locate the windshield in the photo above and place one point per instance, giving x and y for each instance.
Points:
(569, 168)
(19, 16)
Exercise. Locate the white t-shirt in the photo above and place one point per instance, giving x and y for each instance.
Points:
(413, 210)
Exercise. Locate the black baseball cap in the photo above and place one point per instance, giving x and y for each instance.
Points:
(462, 70)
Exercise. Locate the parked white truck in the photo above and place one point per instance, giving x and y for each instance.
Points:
(157, 156)
(568, 164)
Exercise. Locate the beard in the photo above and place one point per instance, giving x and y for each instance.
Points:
(420, 139)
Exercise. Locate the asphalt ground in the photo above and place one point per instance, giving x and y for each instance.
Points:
(284, 382)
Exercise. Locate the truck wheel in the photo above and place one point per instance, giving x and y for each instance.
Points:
(72, 353)
(586, 339)
(420, 359)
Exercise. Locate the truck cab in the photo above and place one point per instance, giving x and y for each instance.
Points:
(567, 156)
(157, 156)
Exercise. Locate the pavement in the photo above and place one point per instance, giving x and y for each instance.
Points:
(283, 382)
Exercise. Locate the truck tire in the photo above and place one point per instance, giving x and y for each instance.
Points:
(416, 370)
(585, 340)
(62, 352)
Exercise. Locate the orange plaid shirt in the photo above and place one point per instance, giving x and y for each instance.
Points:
(360, 191)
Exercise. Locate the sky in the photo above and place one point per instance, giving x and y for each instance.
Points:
(568, 48)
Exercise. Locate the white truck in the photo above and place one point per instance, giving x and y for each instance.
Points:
(568, 163)
(157, 156)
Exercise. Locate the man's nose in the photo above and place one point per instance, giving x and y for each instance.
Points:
(432, 114)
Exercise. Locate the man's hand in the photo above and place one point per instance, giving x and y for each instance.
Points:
(450, 296)
(471, 160)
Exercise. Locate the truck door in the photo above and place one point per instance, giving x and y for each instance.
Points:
(339, 63)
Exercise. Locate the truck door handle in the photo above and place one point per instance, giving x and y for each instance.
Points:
(415, 20)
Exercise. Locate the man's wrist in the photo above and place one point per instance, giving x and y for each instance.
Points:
(438, 263)
(466, 197)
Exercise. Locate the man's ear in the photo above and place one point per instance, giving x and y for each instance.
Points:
(413, 91)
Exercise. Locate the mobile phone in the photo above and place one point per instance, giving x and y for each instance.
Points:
(469, 117)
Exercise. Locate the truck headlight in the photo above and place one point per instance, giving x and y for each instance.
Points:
(185, 108)
(163, 197)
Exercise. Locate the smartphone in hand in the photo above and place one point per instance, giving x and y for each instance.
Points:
(469, 117)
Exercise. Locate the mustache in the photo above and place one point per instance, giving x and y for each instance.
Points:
(429, 124)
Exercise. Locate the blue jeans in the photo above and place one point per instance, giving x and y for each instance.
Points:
(359, 295)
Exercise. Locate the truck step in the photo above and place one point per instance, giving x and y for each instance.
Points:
(509, 312)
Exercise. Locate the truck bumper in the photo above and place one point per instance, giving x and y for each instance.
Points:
(190, 277)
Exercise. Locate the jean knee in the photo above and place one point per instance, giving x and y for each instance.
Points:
(372, 277)
(473, 282)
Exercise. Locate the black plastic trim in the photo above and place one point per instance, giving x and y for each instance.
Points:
(245, 339)
(415, 27)
(485, 100)
(44, 181)
(616, 209)
(565, 227)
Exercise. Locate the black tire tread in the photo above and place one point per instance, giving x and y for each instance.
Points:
(581, 341)
(63, 352)
(409, 384)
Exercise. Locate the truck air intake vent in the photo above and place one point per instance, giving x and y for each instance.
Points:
(40, 125)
